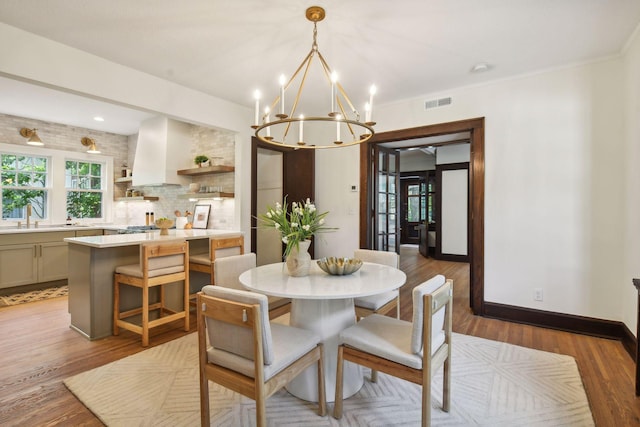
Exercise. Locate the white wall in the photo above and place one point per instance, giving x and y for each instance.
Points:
(554, 204)
(456, 153)
(416, 160)
(628, 298)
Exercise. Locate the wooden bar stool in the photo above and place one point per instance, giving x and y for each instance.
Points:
(218, 247)
(160, 264)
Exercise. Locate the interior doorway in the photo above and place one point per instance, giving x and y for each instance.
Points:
(277, 172)
(474, 133)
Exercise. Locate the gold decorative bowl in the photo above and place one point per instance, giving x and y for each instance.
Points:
(164, 224)
(338, 266)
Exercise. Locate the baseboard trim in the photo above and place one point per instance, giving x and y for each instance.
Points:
(564, 322)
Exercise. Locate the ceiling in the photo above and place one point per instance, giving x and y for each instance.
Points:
(230, 48)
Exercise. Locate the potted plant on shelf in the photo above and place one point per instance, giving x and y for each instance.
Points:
(200, 159)
(296, 227)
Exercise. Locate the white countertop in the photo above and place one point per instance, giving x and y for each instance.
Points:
(116, 240)
(50, 228)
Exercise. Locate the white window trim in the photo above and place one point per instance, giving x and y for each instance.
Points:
(57, 200)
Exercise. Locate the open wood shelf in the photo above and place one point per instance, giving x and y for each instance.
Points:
(215, 195)
(206, 170)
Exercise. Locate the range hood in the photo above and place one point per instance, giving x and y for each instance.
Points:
(163, 147)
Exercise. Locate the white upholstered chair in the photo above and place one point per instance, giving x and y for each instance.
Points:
(227, 271)
(247, 354)
(160, 264)
(411, 351)
(382, 303)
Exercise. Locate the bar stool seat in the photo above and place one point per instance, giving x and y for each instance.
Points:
(160, 264)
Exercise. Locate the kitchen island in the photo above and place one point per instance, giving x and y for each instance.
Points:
(92, 263)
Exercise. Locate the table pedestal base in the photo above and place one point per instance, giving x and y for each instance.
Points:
(327, 318)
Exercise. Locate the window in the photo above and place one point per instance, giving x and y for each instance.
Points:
(24, 181)
(84, 184)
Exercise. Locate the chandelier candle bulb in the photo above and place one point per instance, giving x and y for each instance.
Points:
(301, 129)
(372, 91)
(256, 95)
(367, 112)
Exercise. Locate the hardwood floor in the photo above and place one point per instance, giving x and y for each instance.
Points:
(38, 351)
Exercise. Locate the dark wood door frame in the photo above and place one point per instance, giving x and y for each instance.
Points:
(476, 191)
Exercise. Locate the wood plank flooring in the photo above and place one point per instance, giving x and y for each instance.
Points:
(38, 351)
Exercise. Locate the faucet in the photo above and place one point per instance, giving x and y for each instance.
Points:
(28, 214)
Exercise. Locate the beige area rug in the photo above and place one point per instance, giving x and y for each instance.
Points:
(37, 295)
(493, 384)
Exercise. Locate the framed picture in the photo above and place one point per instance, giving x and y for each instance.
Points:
(201, 216)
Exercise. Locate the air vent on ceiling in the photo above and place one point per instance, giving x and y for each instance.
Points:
(434, 103)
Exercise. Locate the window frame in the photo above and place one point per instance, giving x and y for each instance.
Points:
(46, 188)
(56, 185)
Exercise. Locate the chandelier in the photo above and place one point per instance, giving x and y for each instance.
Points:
(342, 121)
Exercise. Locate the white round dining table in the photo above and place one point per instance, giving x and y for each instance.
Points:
(324, 304)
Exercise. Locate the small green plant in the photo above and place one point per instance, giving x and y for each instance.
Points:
(200, 159)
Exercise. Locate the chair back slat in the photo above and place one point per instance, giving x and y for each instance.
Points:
(230, 333)
(231, 312)
(164, 255)
(441, 297)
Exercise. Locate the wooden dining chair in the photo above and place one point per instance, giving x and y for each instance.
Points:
(248, 354)
(410, 351)
(383, 303)
(227, 271)
(160, 264)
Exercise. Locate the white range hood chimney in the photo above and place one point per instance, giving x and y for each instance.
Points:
(163, 148)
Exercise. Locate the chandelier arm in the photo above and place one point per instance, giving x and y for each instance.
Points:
(309, 61)
(327, 71)
(346, 117)
(304, 61)
(302, 81)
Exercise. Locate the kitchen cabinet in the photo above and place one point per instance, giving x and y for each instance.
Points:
(17, 265)
(29, 258)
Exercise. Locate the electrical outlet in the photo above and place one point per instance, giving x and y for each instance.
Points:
(537, 294)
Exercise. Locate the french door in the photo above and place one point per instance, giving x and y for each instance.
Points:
(386, 219)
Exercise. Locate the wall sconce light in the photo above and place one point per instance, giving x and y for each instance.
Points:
(91, 143)
(34, 139)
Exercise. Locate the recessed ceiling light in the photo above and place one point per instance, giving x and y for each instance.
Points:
(480, 67)
(98, 119)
